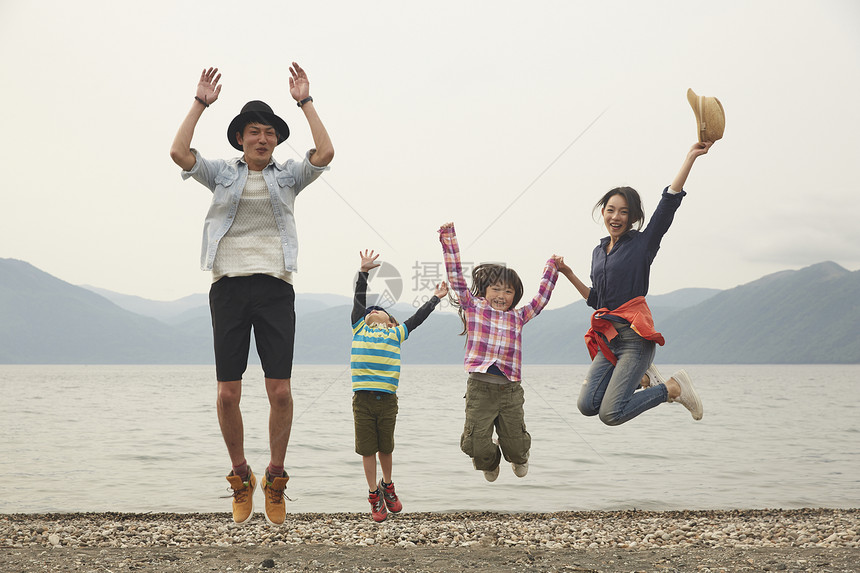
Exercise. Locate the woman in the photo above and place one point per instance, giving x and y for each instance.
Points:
(622, 339)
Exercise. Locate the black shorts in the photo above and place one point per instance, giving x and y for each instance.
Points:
(263, 302)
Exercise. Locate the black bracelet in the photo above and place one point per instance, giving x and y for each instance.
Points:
(201, 101)
(304, 101)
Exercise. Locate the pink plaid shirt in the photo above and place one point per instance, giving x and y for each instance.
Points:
(493, 336)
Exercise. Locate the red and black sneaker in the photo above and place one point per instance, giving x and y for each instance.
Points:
(377, 506)
(390, 496)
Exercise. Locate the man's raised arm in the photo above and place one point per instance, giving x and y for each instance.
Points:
(208, 89)
(300, 91)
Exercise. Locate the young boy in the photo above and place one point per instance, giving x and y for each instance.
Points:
(375, 363)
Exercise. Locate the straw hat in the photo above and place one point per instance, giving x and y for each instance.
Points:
(710, 117)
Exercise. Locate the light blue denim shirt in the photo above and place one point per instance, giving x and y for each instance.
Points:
(226, 179)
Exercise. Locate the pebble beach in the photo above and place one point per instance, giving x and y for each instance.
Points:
(787, 540)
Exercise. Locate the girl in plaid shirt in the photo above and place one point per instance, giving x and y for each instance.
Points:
(493, 329)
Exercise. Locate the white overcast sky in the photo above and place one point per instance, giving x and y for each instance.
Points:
(509, 118)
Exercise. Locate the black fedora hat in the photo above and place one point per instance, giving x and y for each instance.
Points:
(256, 111)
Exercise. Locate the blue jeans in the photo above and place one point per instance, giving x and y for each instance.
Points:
(610, 391)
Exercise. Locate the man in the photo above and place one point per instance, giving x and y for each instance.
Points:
(251, 247)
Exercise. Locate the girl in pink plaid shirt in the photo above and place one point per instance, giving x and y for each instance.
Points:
(493, 329)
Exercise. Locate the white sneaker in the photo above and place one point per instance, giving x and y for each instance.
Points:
(520, 470)
(654, 377)
(688, 398)
(491, 475)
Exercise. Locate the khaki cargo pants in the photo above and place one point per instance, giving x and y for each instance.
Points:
(492, 406)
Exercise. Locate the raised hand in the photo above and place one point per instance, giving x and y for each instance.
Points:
(566, 271)
(697, 150)
(208, 87)
(446, 226)
(368, 260)
(300, 88)
(441, 290)
(700, 148)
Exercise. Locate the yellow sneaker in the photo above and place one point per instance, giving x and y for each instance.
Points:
(243, 496)
(273, 491)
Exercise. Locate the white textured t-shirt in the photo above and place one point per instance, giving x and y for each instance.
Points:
(252, 245)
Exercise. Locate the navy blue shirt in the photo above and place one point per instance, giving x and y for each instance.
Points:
(623, 274)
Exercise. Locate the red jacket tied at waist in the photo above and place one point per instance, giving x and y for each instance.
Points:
(636, 312)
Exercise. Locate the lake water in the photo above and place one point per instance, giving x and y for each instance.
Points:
(146, 438)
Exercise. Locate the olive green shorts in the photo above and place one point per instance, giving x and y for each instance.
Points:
(375, 414)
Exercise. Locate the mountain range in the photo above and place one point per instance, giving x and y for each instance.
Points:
(805, 316)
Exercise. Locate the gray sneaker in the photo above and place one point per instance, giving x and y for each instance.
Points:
(654, 377)
(491, 475)
(689, 398)
(520, 470)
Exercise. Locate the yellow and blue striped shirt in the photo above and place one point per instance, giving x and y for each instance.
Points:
(375, 358)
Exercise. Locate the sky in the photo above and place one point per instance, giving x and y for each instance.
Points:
(509, 119)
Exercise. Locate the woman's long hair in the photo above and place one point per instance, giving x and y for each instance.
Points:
(484, 276)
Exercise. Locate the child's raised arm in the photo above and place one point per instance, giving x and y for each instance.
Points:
(359, 300)
(422, 313)
(451, 253)
(541, 299)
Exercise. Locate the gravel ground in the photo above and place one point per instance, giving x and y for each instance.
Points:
(818, 540)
